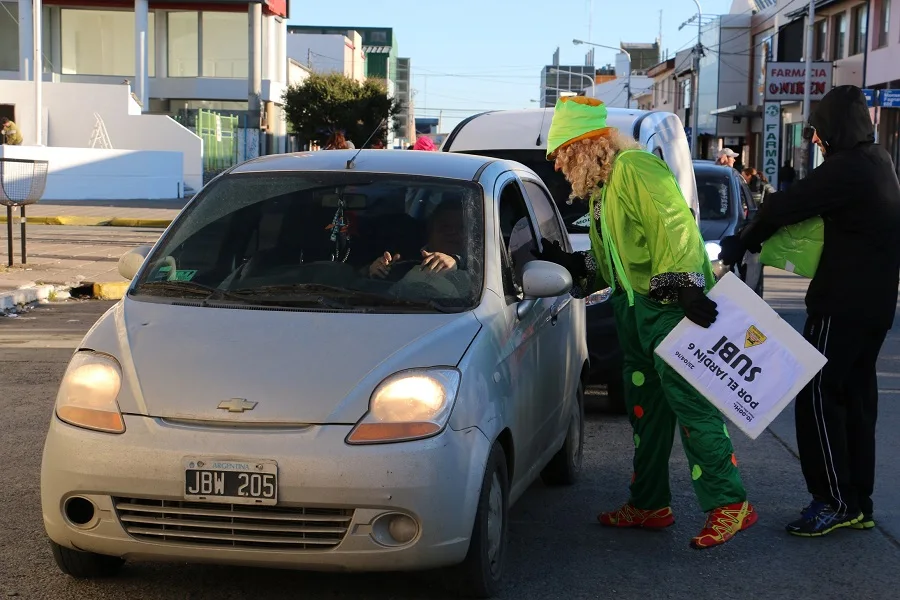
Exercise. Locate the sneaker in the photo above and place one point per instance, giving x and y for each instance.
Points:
(813, 508)
(724, 523)
(629, 516)
(823, 522)
(868, 522)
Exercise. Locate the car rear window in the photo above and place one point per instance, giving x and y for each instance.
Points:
(714, 191)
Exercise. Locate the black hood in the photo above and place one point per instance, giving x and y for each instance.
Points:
(842, 119)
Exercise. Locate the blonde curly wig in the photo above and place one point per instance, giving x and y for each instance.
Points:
(588, 163)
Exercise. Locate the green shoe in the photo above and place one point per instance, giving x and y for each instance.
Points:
(868, 522)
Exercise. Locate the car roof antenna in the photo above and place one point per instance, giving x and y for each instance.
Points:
(350, 162)
(541, 130)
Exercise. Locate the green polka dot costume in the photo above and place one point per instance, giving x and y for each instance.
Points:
(645, 244)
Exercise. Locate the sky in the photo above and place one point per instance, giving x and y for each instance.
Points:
(468, 56)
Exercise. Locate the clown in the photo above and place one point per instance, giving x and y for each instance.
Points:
(646, 245)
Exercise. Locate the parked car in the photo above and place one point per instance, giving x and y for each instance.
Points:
(726, 203)
(521, 135)
(272, 391)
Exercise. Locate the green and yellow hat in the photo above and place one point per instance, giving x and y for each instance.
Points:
(576, 118)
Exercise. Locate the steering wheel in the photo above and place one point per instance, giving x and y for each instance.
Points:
(401, 268)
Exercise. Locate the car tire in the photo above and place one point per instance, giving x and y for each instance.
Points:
(482, 569)
(85, 565)
(565, 466)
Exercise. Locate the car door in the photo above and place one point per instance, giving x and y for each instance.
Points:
(519, 350)
(555, 347)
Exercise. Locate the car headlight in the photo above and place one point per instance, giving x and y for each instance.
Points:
(409, 405)
(87, 395)
(713, 250)
(598, 297)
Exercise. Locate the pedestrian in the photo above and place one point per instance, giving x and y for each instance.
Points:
(856, 193)
(758, 184)
(10, 133)
(337, 141)
(425, 143)
(786, 176)
(726, 157)
(646, 244)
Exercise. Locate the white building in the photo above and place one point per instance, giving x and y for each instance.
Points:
(227, 55)
(329, 53)
(615, 93)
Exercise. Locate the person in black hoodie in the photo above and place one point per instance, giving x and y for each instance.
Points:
(850, 305)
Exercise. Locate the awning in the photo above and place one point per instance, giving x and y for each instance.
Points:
(744, 111)
(376, 49)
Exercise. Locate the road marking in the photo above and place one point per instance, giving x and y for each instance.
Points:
(30, 341)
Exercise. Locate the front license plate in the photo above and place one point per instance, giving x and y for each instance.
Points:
(231, 481)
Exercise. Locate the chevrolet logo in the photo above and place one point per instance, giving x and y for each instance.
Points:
(237, 405)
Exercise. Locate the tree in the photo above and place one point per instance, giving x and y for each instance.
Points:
(323, 104)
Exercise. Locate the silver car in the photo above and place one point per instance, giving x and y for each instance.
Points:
(328, 361)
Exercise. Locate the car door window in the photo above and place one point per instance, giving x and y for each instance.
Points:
(548, 221)
(518, 237)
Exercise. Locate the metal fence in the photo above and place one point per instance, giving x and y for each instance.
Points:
(226, 138)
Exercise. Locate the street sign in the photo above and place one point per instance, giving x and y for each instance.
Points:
(785, 81)
(870, 97)
(889, 98)
(771, 141)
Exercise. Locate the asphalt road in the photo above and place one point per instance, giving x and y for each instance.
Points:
(557, 550)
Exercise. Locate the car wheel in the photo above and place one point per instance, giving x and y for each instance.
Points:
(564, 467)
(85, 565)
(482, 569)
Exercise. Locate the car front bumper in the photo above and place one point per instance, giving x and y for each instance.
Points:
(435, 481)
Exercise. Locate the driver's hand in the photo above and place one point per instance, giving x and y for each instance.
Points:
(436, 262)
(382, 265)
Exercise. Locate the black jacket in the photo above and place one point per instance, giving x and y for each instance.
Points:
(857, 194)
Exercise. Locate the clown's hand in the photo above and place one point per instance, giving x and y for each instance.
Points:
(697, 307)
(573, 262)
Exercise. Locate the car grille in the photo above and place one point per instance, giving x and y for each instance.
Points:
(233, 525)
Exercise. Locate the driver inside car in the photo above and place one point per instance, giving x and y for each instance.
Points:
(445, 247)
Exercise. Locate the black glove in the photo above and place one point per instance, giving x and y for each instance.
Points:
(572, 262)
(733, 250)
(697, 307)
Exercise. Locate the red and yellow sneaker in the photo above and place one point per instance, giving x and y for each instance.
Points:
(723, 523)
(629, 516)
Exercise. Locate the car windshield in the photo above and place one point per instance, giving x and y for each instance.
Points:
(324, 240)
(573, 212)
(714, 191)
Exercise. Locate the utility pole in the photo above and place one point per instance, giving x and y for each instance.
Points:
(807, 85)
(695, 91)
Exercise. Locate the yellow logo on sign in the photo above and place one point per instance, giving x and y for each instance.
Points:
(754, 337)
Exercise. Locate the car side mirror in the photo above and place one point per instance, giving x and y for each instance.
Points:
(131, 261)
(542, 279)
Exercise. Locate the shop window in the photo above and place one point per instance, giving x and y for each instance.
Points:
(9, 36)
(225, 46)
(101, 42)
(184, 44)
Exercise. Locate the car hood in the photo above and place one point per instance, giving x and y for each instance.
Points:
(714, 231)
(181, 362)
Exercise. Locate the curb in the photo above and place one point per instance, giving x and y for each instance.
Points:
(114, 290)
(96, 222)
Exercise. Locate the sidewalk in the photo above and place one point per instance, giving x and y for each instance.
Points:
(155, 214)
(84, 256)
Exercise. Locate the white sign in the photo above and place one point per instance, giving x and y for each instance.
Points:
(787, 80)
(771, 141)
(749, 364)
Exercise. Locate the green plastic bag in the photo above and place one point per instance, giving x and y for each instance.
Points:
(796, 248)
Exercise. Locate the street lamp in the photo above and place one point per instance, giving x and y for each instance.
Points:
(573, 73)
(628, 54)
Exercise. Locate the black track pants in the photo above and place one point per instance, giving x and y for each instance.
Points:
(836, 414)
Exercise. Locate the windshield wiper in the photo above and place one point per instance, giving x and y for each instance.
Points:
(171, 288)
(312, 291)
